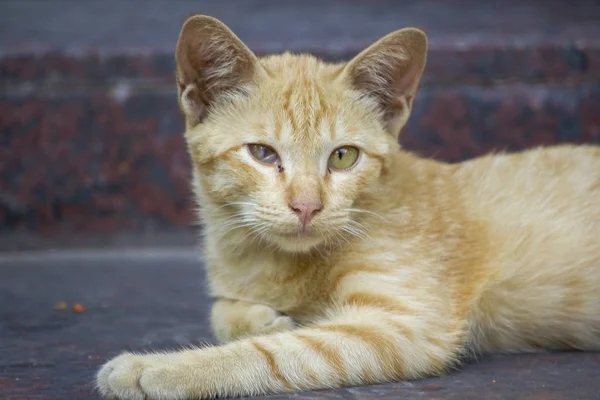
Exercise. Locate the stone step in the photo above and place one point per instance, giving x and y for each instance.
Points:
(62, 42)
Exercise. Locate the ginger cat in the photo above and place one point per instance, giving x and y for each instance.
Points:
(339, 259)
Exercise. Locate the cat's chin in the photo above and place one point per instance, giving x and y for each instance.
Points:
(297, 243)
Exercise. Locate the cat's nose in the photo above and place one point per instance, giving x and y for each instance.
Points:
(305, 209)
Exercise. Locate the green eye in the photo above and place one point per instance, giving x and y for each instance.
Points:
(343, 158)
(264, 154)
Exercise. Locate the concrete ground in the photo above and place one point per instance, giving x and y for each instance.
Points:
(142, 299)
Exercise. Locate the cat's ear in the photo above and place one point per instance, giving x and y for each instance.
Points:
(211, 61)
(389, 72)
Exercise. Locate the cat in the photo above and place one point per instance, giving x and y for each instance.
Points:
(337, 258)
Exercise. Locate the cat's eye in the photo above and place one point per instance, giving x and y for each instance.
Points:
(343, 158)
(264, 154)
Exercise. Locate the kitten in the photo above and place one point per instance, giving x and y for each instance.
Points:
(339, 259)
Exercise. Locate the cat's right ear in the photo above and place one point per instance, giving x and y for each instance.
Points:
(211, 61)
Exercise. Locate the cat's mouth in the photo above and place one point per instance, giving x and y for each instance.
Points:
(299, 233)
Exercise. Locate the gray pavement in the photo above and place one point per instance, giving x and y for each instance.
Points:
(149, 298)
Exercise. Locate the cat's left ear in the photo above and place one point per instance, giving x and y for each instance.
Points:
(389, 72)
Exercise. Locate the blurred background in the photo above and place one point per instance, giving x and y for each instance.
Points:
(91, 148)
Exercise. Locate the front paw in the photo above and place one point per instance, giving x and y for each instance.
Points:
(140, 377)
(232, 320)
(264, 320)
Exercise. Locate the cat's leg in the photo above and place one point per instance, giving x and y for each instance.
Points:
(380, 341)
(233, 319)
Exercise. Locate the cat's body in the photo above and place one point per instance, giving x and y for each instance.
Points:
(392, 268)
(500, 258)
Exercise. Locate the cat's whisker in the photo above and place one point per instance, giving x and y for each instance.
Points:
(319, 251)
(273, 218)
(254, 230)
(233, 218)
(234, 223)
(237, 227)
(260, 232)
(358, 225)
(339, 239)
(245, 221)
(240, 216)
(354, 231)
(236, 203)
(367, 212)
(252, 237)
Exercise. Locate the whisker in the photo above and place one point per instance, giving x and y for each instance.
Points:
(260, 232)
(270, 212)
(254, 230)
(236, 221)
(340, 239)
(354, 231)
(361, 211)
(358, 225)
(235, 203)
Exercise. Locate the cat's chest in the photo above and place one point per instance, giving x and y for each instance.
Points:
(288, 288)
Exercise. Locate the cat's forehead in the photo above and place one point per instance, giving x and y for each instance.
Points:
(287, 67)
(302, 98)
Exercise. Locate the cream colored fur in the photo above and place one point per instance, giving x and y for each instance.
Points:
(411, 264)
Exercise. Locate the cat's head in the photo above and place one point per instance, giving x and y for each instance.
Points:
(285, 147)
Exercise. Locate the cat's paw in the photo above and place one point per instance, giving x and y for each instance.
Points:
(140, 377)
(264, 320)
(236, 320)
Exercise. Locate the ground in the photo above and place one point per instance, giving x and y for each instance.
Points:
(155, 299)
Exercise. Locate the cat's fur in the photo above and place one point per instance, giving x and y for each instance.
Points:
(411, 264)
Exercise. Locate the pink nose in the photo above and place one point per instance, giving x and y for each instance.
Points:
(305, 210)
